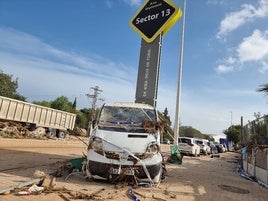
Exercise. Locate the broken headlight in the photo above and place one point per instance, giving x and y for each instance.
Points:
(153, 148)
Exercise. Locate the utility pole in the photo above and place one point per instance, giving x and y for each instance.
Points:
(178, 102)
(94, 98)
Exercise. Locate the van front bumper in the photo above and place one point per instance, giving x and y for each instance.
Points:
(105, 170)
(100, 166)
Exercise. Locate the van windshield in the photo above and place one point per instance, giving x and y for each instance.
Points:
(126, 115)
(125, 119)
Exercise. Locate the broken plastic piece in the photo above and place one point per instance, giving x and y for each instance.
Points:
(33, 189)
(132, 195)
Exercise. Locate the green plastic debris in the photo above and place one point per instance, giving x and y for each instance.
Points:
(77, 163)
(176, 156)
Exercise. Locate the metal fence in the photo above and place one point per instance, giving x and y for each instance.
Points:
(258, 128)
(255, 152)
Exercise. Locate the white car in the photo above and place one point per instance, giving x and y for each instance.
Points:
(125, 142)
(204, 147)
(188, 146)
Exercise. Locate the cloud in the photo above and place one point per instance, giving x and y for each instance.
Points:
(39, 65)
(234, 20)
(252, 50)
(254, 47)
(264, 67)
(37, 54)
(133, 2)
(224, 69)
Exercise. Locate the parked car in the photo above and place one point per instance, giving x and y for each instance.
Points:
(221, 148)
(188, 146)
(213, 148)
(204, 148)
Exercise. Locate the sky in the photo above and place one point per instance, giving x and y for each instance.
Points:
(65, 47)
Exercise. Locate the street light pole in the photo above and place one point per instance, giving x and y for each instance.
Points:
(177, 114)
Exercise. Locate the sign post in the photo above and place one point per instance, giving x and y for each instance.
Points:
(151, 22)
(149, 65)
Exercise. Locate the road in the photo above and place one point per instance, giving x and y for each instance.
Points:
(196, 179)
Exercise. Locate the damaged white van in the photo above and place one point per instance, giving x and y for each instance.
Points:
(125, 143)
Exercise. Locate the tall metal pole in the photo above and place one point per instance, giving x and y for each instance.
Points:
(177, 114)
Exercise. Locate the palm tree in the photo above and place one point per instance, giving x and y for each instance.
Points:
(263, 88)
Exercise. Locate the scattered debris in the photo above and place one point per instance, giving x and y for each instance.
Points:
(215, 156)
(242, 173)
(159, 199)
(131, 195)
(33, 189)
(41, 183)
(17, 130)
(176, 157)
(72, 167)
(233, 189)
(8, 190)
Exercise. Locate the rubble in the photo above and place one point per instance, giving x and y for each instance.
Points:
(43, 183)
(11, 129)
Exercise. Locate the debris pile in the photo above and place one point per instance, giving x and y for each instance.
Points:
(14, 130)
(36, 186)
(11, 129)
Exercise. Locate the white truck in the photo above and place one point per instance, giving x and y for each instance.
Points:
(36, 116)
(125, 142)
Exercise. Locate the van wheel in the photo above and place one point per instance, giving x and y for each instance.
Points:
(158, 177)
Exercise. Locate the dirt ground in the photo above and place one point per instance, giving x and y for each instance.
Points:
(201, 178)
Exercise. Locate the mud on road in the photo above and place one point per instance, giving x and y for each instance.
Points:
(197, 178)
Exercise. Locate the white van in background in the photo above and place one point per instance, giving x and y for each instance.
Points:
(125, 143)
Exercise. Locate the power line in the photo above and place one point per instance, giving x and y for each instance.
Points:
(94, 97)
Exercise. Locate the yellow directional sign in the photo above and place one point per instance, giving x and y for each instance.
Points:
(155, 17)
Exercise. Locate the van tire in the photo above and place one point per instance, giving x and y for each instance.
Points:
(157, 178)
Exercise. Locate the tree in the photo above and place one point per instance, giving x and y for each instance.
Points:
(166, 116)
(263, 88)
(166, 123)
(8, 87)
(233, 133)
(188, 131)
(209, 137)
(62, 103)
(43, 103)
(82, 119)
(74, 103)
